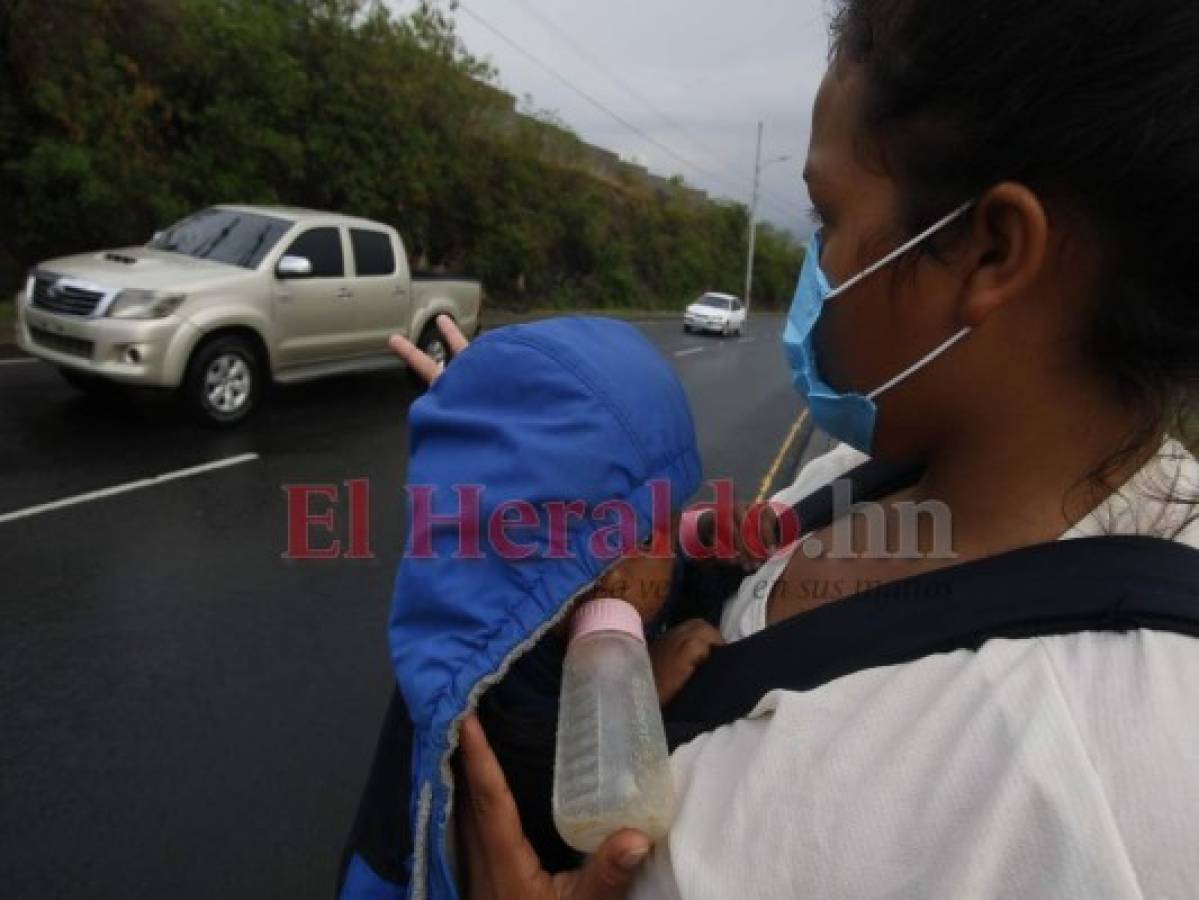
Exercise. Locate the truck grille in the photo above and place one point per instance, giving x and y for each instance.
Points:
(62, 343)
(50, 295)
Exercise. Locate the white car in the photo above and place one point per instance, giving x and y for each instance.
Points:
(722, 313)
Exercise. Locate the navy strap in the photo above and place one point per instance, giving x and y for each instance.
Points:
(872, 480)
(1090, 584)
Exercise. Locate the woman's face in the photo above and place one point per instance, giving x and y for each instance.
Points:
(884, 324)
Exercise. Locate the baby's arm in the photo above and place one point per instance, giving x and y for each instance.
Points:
(678, 653)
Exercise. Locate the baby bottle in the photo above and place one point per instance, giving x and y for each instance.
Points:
(612, 769)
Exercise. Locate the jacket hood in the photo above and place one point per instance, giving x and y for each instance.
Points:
(569, 411)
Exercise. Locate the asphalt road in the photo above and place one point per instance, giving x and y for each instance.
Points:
(184, 712)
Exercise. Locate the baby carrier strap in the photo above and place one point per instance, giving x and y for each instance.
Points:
(1116, 584)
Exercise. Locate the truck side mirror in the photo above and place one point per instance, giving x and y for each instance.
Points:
(294, 267)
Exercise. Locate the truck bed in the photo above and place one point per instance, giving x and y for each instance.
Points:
(458, 293)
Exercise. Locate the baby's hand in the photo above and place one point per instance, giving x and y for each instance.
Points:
(699, 530)
(678, 653)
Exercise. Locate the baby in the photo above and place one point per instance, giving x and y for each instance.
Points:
(645, 580)
(548, 466)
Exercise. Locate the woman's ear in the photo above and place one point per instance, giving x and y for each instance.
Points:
(1009, 234)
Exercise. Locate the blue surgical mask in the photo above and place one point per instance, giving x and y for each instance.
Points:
(848, 417)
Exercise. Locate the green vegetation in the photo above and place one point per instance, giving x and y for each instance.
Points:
(119, 116)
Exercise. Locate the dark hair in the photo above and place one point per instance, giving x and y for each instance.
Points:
(1094, 104)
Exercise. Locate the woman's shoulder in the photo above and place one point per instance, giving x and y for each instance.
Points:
(1115, 692)
(1043, 766)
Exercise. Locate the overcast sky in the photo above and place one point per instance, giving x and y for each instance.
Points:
(705, 71)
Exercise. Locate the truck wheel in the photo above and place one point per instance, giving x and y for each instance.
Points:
(224, 380)
(434, 345)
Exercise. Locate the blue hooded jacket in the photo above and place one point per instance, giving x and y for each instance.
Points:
(569, 411)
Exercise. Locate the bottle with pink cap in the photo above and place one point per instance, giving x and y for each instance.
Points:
(612, 768)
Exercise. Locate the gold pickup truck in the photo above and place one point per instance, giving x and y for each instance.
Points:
(232, 297)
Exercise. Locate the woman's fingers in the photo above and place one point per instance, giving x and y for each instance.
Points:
(609, 872)
(754, 538)
(511, 862)
(417, 360)
(454, 338)
(503, 865)
(420, 362)
(476, 881)
(755, 550)
(768, 527)
(478, 884)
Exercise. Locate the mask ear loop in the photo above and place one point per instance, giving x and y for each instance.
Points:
(912, 370)
(891, 257)
(886, 261)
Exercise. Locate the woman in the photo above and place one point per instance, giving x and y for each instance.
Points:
(1006, 193)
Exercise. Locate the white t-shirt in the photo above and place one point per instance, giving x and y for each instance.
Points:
(1055, 767)
(745, 613)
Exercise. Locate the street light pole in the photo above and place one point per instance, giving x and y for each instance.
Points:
(759, 167)
(753, 224)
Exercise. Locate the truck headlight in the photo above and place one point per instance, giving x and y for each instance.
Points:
(137, 304)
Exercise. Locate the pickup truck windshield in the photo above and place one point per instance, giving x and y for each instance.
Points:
(224, 236)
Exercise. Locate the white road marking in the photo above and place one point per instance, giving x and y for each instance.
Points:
(127, 487)
(17, 362)
(679, 353)
(746, 340)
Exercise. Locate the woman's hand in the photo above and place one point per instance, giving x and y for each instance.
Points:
(501, 864)
(420, 362)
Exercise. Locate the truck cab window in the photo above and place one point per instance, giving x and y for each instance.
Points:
(321, 247)
(373, 255)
